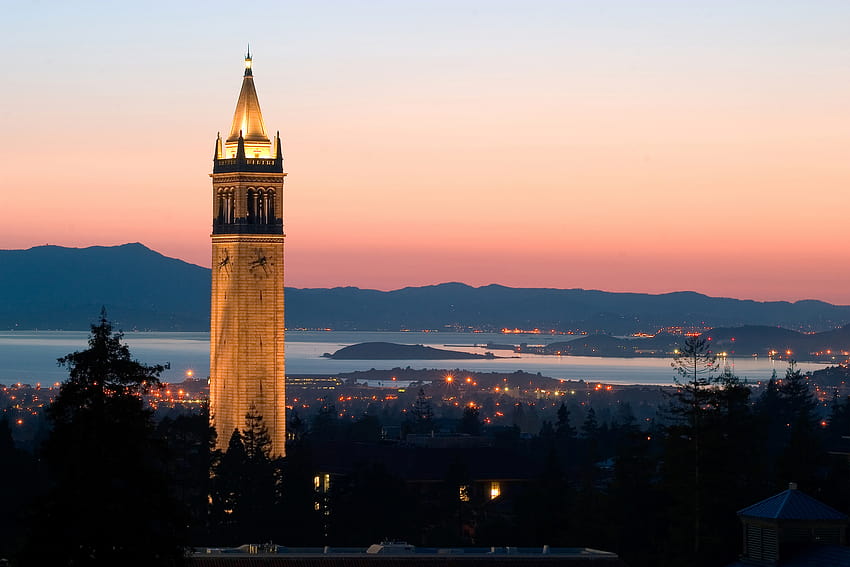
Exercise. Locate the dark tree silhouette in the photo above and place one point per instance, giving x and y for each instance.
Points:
(469, 423)
(423, 414)
(696, 367)
(708, 444)
(261, 479)
(191, 441)
(246, 486)
(563, 429)
(17, 471)
(802, 453)
(325, 424)
(226, 498)
(109, 501)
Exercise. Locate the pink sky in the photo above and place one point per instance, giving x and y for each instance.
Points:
(653, 149)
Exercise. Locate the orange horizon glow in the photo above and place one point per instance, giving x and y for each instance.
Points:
(637, 147)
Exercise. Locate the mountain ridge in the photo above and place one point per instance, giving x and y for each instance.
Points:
(64, 288)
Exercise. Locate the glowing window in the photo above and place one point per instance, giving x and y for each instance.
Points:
(463, 493)
(495, 490)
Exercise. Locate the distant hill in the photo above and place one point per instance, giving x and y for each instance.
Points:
(393, 351)
(496, 307)
(747, 340)
(51, 287)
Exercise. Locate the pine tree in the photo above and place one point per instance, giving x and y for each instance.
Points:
(696, 367)
(469, 423)
(326, 422)
(707, 458)
(260, 496)
(565, 434)
(423, 414)
(255, 437)
(17, 474)
(226, 497)
(802, 452)
(109, 502)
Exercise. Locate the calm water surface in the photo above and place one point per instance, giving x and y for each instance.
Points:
(30, 356)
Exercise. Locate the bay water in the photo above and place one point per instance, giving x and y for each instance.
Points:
(30, 357)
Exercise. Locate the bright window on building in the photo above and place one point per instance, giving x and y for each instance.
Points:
(495, 490)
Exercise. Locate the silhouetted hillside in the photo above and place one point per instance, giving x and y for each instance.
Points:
(747, 340)
(495, 307)
(64, 288)
(394, 351)
(52, 287)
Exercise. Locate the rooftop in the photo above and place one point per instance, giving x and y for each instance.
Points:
(792, 505)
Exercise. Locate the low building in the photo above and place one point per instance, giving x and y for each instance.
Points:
(792, 529)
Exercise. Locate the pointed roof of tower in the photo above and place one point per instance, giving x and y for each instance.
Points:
(248, 119)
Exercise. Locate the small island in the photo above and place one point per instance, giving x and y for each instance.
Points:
(393, 351)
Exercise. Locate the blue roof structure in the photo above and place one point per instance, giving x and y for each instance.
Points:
(792, 505)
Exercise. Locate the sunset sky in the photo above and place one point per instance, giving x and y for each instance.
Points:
(647, 146)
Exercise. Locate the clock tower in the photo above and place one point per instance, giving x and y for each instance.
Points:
(246, 319)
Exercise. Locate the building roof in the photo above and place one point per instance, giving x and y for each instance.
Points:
(248, 120)
(792, 504)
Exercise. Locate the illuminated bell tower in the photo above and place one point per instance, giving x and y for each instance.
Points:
(246, 319)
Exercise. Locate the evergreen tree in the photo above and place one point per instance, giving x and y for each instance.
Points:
(191, 444)
(839, 418)
(707, 413)
(469, 423)
(769, 414)
(109, 501)
(226, 498)
(247, 482)
(589, 503)
(547, 432)
(563, 428)
(802, 452)
(326, 422)
(296, 428)
(261, 478)
(255, 437)
(423, 414)
(633, 494)
(18, 477)
(565, 434)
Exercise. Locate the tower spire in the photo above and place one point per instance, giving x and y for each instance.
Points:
(248, 119)
(248, 61)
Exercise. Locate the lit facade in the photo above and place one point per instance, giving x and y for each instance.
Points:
(246, 320)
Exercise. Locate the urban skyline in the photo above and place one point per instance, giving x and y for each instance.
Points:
(649, 148)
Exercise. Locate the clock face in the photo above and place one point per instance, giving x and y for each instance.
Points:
(260, 265)
(225, 264)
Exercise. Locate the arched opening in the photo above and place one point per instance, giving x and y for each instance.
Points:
(270, 208)
(252, 205)
(261, 207)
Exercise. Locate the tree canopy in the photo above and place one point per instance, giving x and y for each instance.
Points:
(109, 501)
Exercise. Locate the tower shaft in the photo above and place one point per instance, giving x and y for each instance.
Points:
(247, 342)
